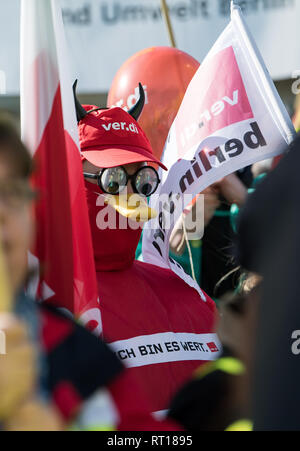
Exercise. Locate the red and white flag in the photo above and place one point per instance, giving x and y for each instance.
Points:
(63, 253)
(231, 117)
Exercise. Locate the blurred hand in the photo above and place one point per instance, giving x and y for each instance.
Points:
(211, 203)
(177, 241)
(17, 367)
(232, 189)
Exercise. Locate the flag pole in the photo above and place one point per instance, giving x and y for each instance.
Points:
(232, 5)
(165, 11)
(168, 22)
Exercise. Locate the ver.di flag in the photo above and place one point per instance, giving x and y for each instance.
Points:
(63, 253)
(231, 117)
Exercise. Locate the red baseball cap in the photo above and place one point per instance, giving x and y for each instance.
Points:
(110, 138)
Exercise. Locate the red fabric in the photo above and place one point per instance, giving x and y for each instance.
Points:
(114, 249)
(63, 244)
(276, 161)
(146, 300)
(112, 137)
(133, 408)
(67, 399)
(138, 299)
(54, 330)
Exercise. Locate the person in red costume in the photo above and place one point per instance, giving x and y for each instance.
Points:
(158, 325)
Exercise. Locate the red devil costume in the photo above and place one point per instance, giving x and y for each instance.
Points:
(158, 325)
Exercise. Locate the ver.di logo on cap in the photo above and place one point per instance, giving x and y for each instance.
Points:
(120, 126)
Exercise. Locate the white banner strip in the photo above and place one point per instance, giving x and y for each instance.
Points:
(167, 347)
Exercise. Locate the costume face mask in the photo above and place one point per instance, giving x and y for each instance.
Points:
(111, 138)
(116, 226)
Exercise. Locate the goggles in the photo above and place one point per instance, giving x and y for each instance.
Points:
(113, 181)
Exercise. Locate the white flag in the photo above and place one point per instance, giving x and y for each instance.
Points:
(230, 117)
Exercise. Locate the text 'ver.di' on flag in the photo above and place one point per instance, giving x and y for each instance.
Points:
(231, 117)
(63, 252)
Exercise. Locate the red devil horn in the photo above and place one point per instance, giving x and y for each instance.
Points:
(80, 111)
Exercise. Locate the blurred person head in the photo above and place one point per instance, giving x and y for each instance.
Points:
(16, 220)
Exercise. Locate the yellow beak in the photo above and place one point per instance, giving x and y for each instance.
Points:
(131, 206)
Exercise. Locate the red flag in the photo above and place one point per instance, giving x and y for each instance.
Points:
(63, 251)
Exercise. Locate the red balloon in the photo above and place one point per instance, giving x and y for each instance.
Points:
(165, 73)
